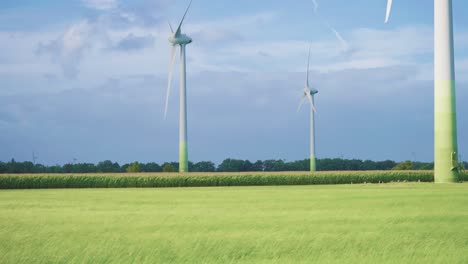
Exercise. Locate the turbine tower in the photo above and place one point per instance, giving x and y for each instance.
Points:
(445, 119)
(309, 94)
(177, 39)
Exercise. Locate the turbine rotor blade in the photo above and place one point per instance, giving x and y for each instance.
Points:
(308, 65)
(169, 79)
(312, 103)
(389, 10)
(172, 30)
(303, 99)
(183, 18)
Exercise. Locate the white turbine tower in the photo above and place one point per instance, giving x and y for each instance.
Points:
(445, 116)
(178, 39)
(309, 94)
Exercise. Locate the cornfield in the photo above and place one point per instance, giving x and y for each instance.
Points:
(167, 180)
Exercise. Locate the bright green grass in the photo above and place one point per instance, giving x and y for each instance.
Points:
(393, 223)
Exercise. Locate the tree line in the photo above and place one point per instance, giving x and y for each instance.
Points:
(228, 165)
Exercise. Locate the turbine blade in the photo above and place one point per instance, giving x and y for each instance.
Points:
(389, 10)
(312, 103)
(172, 30)
(183, 18)
(302, 102)
(308, 65)
(169, 79)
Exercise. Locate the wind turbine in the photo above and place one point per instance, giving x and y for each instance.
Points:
(445, 119)
(178, 39)
(34, 157)
(309, 94)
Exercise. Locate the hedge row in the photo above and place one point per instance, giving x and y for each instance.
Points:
(205, 180)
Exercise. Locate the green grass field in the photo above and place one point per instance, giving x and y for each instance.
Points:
(381, 223)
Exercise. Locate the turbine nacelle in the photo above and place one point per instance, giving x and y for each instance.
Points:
(180, 39)
(310, 91)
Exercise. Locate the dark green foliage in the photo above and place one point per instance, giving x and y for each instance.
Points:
(274, 165)
(423, 165)
(134, 167)
(150, 167)
(198, 180)
(108, 167)
(235, 165)
(168, 168)
(385, 165)
(203, 166)
(406, 165)
(228, 165)
(258, 166)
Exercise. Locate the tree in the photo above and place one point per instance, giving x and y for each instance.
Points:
(247, 166)
(151, 167)
(54, 169)
(11, 167)
(386, 165)
(107, 166)
(369, 165)
(68, 168)
(39, 168)
(406, 165)
(134, 167)
(354, 165)
(298, 165)
(84, 168)
(203, 166)
(3, 167)
(274, 165)
(427, 166)
(230, 165)
(168, 167)
(258, 166)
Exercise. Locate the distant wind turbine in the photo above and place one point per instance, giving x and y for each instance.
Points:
(34, 157)
(309, 94)
(445, 119)
(181, 40)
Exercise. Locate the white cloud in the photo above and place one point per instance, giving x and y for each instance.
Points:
(68, 49)
(101, 4)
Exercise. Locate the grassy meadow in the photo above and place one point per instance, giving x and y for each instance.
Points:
(372, 223)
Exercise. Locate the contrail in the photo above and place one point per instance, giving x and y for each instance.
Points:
(338, 36)
(343, 42)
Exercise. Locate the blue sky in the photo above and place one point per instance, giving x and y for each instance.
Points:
(86, 79)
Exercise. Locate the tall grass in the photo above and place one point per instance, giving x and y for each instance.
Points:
(165, 180)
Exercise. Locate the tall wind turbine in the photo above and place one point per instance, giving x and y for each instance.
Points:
(177, 39)
(445, 119)
(309, 94)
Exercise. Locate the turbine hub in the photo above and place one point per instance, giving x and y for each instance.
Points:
(310, 91)
(181, 39)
